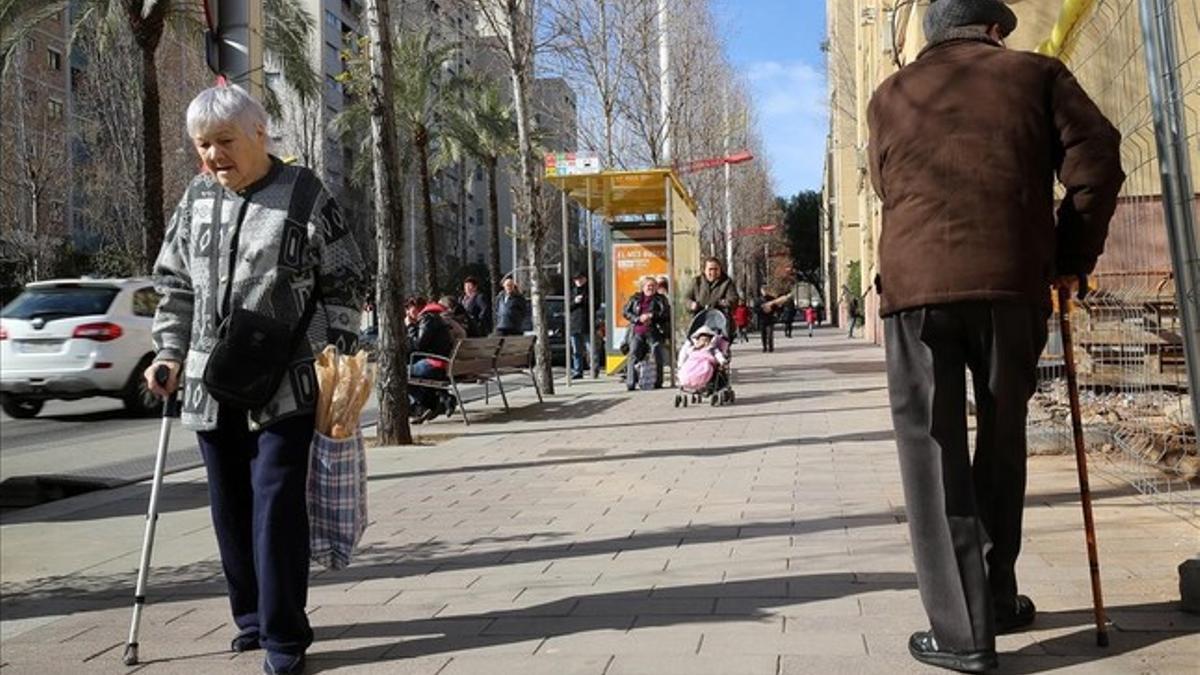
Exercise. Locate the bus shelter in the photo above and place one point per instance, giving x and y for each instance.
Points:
(651, 228)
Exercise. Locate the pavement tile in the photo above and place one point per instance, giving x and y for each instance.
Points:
(765, 538)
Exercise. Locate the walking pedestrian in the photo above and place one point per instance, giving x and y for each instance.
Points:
(255, 247)
(788, 314)
(967, 140)
(579, 324)
(479, 310)
(810, 318)
(852, 314)
(741, 319)
(766, 311)
(511, 309)
(712, 289)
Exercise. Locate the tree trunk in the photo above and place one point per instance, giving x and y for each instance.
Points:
(520, 49)
(391, 384)
(147, 33)
(493, 229)
(421, 141)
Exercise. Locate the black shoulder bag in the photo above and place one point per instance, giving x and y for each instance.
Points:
(253, 350)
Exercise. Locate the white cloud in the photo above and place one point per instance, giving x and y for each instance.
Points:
(791, 102)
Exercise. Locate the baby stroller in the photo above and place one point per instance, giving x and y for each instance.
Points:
(717, 388)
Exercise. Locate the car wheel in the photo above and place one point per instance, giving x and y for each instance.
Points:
(21, 408)
(138, 398)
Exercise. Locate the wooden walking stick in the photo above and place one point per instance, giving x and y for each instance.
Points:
(1085, 492)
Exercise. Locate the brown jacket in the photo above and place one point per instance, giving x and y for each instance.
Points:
(965, 145)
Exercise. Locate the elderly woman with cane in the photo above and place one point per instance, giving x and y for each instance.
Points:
(257, 271)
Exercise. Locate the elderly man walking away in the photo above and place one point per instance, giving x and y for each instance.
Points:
(965, 144)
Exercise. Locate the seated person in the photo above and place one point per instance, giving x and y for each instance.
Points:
(428, 332)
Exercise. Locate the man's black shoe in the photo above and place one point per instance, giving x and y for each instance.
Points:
(1020, 615)
(924, 647)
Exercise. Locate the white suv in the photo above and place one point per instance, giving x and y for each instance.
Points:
(77, 338)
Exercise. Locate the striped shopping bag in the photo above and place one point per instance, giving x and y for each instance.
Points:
(337, 498)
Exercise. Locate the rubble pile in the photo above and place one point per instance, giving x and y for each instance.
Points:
(1156, 426)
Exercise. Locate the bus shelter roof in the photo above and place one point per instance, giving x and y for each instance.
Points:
(612, 194)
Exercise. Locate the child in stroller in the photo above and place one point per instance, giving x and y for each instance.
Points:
(703, 365)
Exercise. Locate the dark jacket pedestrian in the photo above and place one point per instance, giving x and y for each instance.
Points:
(511, 310)
(767, 311)
(788, 316)
(649, 316)
(478, 309)
(965, 144)
(580, 307)
(428, 334)
(711, 289)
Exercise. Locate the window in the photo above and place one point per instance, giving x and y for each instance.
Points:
(478, 173)
(54, 109)
(332, 86)
(145, 301)
(332, 21)
(54, 59)
(30, 45)
(478, 216)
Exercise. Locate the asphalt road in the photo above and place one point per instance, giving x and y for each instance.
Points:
(95, 442)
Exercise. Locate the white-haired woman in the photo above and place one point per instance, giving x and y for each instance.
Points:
(255, 248)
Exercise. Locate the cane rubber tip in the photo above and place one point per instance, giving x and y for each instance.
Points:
(131, 655)
(1102, 639)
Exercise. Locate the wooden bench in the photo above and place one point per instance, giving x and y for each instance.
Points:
(481, 360)
(515, 357)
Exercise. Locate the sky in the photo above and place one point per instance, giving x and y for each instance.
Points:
(776, 46)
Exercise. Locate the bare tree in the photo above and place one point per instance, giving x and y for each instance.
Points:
(392, 384)
(36, 144)
(512, 22)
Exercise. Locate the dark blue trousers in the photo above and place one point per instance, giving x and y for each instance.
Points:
(256, 484)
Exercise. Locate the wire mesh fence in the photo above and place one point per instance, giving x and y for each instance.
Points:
(1127, 331)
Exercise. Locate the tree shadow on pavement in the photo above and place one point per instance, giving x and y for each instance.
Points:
(716, 451)
(615, 611)
(82, 592)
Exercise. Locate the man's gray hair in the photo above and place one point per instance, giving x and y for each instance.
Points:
(228, 104)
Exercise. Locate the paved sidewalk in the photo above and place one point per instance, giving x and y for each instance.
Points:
(609, 533)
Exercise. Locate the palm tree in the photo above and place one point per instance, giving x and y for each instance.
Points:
(483, 129)
(285, 33)
(424, 97)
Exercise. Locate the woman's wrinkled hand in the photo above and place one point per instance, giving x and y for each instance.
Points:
(172, 382)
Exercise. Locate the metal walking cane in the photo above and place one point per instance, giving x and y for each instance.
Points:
(161, 376)
(1085, 492)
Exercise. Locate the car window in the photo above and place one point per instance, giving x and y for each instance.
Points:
(145, 301)
(60, 302)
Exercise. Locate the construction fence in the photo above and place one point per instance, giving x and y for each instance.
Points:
(1129, 333)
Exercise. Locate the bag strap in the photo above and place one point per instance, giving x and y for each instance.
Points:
(301, 201)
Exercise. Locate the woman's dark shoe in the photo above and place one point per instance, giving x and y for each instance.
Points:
(245, 641)
(1014, 618)
(278, 663)
(924, 647)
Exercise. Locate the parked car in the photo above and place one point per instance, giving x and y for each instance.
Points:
(77, 338)
(554, 326)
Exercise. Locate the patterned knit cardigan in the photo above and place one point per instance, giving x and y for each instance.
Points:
(279, 263)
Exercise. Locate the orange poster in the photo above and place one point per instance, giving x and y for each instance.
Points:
(632, 261)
